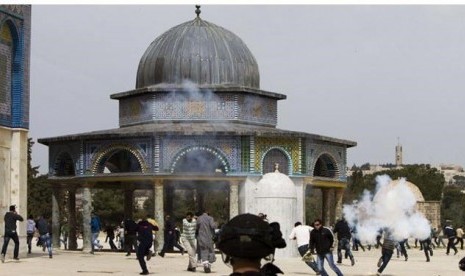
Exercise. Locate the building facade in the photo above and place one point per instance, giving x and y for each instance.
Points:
(198, 126)
(15, 37)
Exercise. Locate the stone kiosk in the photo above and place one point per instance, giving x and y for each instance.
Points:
(198, 120)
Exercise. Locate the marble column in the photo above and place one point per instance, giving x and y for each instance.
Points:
(338, 193)
(57, 195)
(86, 213)
(159, 211)
(72, 237)
(233, 198)
(326, 207)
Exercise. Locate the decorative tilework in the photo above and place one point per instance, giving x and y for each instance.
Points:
(97, 151)
(15, 32)
(211, 150)
(245, 154)
(227, 147)
(273, 156)
(211, 107)
(6, 52)
(337, 154)
(253, 108)
(59, 150)
(17, 10)
(290, 146)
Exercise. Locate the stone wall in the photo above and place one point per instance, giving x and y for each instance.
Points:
(432, 211)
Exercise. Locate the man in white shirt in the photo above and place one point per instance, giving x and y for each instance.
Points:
(301, 233)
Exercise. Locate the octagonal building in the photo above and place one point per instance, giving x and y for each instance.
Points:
(197, 129)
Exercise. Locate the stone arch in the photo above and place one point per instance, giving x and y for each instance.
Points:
(9, 31)
(276, 155)
(64, 165)
(119, 158)
(200, 159)
(326, 166)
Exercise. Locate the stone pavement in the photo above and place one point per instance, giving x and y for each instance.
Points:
(111, 263)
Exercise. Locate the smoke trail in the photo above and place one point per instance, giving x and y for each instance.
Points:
(392, 207)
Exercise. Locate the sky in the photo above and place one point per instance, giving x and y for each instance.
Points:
(373, 74)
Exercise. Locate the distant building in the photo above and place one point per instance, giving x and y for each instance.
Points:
(450, 171)
(398, 155)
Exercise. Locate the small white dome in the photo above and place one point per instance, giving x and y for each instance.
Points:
(276, 184)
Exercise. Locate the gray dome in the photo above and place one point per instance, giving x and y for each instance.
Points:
(201, 52)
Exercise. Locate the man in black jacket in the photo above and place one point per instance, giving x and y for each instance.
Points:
(449, 231)
(10, 232)
(169, 235)
(45, 235)
(130, 232)
(342, 230)
(145, 238)
(321, 240)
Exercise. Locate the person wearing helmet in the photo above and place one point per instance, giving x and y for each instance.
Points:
(245, 240)
(462, 264)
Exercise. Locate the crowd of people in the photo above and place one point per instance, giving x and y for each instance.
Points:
(320, 241)
(244, 241)
(40, 228)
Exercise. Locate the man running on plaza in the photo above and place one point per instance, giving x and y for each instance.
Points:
(145, 238)
(189, 225)
(10, 232)
(301, 233)
(205, 229)
(342, 230)
(321, 240)
(387, 249)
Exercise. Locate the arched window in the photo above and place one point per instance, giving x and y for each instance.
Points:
(119, 161)
(199, 161)
(273, 157)
(6, 59)
(325, 167)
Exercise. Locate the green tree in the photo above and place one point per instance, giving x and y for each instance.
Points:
(429, 180)
(453, 205)
(108, 204)
(39, 192)
(459, 181)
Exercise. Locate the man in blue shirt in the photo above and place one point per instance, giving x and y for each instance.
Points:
(95, 227)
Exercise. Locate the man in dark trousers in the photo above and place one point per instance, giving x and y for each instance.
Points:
(145, 238)
(449, 231)
(130, 232)
(321, 240)
(169, 235)
(387, 249)
(10, 232)
(45, 235)
(342, 230)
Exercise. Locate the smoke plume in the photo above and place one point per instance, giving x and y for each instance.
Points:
(391, 208)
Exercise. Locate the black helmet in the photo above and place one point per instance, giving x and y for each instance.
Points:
(248, 236)
(462, 264)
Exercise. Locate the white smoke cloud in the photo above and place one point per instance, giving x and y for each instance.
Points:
(392, 207)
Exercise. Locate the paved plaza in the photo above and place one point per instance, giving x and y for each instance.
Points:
(112, 263)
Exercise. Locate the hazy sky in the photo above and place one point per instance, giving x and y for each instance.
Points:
(369, 74)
